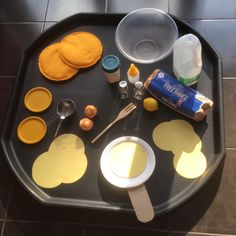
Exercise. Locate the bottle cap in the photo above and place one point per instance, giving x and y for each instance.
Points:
(138, 85)
(123, 84)
(110, 63)
(133, 70)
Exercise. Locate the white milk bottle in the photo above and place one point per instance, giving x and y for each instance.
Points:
(187, 59)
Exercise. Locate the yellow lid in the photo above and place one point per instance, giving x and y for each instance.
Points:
(133, 70)
(38, 99)
(31, 130)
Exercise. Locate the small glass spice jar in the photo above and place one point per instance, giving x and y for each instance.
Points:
(138, 90)
(111, 68)
(123, 89)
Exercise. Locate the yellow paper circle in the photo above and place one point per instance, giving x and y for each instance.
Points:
(128, 159)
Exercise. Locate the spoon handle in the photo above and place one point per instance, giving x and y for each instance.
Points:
(58, 127)
(52, 119)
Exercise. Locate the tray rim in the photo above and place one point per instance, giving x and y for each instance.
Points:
(43, 197)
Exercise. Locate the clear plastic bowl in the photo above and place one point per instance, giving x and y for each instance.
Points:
(146, 35)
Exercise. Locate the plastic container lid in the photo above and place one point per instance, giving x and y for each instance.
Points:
(38, 99)
(31, 130)
(110, 63)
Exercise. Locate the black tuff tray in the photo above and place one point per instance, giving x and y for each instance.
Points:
(165, 187)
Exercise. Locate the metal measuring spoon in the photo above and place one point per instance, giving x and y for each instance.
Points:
(65, 108)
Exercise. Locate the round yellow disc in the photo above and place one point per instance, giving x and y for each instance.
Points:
(67, 141)
(64, 162)
(31, 130)
(45, 171)
(179, 137)
(80, 49)
(176, 136)
(190, 165)
(128, 159)
(51, 168)
(38, 99)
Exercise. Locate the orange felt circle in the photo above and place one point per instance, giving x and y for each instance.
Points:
(31, 130)
(52, 66)
(38, 99)
(80, 49)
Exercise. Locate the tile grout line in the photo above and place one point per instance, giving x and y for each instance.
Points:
(229, 78)
(7, 207)
(3, 227)
(126, 227)
(7, 76)
(234, 8)
(86, 225)
(106, 6)
(206, 19)
(201, 233)
(45, 17)
(231, 148)
(21, 22)
(84, 232)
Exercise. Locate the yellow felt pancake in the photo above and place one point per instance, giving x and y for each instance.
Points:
(80, 49)
(176, 136)
(52, 66)
(190, 165)
(60, 165)
(127, 159)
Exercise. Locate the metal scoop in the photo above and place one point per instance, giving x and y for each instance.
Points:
(65, 108)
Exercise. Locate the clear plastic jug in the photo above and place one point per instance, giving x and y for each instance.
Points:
(187, 59)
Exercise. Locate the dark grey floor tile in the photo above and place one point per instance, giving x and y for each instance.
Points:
(27, 10)
(192, 234)
(6, 176)
(1, 225)
(125, 6)
(48, 25)
(14, 38)
(229, 86)
(6, 86)
(219, 214)
(202, 9)
(6, 180)
(27, 208)
(124, 219)
(187, 216)
(24, 206)
(220, 33)
(104, 231)
(60, 9)
(42, 229)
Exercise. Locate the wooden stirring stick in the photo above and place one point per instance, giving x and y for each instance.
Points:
(123, 113)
